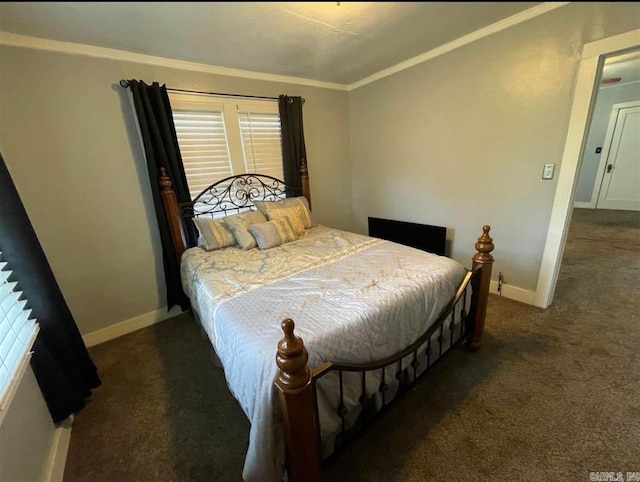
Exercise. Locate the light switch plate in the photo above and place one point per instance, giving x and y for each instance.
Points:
(547, 172)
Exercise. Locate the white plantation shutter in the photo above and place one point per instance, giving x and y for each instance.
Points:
(202, 138)
(224, 136)
(17, 332)
(261, 142)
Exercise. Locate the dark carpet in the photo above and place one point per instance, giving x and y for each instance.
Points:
(552, 395)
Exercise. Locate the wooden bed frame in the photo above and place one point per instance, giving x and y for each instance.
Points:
(295, 380)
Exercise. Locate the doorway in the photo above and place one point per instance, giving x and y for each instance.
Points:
(589, 75)
(609, 176)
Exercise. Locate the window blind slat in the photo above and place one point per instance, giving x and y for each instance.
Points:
(4, 328)
(12, 359)
(5, 346)
(27, 328)
(261, 143)
(17, 331)
(15, 311)
(202, 138)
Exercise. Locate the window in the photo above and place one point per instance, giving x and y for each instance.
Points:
(17, 333)
(221, 137)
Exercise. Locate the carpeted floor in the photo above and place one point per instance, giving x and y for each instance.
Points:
(552, 395)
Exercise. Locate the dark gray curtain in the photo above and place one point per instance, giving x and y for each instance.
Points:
(60, 360)
(294, 151)
(161, 150)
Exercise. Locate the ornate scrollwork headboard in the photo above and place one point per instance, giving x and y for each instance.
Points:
(230, 195)
(235, 194)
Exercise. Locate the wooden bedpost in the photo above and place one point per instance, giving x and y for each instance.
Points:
(304, 179)
(172, 212)
(297, 399)
(483, 261)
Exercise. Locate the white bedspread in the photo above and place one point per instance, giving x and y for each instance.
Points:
(353, 298)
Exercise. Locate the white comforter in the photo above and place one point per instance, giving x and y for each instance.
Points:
(353, 298)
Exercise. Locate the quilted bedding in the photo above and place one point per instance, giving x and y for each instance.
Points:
(353, 298)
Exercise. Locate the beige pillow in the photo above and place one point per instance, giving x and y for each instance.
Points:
(238, 224)
(267, 206)
(213, 233)
(272, 233)
(294, 215)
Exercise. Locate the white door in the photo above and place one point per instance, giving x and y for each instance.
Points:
(620, 188)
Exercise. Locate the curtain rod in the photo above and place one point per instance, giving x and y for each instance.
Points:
(125, 83)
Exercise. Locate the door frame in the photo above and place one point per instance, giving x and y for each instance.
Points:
(608, 143)
(584, 95)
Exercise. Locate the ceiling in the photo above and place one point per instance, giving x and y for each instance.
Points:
(338, 42)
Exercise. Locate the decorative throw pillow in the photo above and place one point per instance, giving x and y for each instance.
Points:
(294, 215)
(213, 233)
(267, 206)
(272, 233)
(238, 224)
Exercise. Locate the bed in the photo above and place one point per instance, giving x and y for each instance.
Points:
(374, 316)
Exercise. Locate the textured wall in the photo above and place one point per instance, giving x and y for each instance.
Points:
(69, 138)
(27, 435)
(460, 140)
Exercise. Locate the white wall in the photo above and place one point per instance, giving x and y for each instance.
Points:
(68, 135)
(27, 436)
(460, 140)
(607, 97)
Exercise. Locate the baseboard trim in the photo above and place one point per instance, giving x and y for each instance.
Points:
(59, 454)
(513, 293)
(129, 326)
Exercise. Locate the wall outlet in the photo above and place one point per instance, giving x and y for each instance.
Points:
(547, 171)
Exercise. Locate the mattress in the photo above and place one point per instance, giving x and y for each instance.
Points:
(353, 299)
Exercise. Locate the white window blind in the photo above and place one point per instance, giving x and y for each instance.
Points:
(17, 333)
(202, 138)
(261, 142)
(224, 136)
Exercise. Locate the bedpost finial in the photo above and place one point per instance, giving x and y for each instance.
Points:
(293, 372)
(484, 246)
(165, 181)
(287, 327)
(304, 169)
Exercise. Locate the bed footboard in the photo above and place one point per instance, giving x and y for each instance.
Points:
(296, 381)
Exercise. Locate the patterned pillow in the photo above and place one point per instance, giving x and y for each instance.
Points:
(238, 224)
(267, 206)
(273, 233)
(213, 234)
(294, 215)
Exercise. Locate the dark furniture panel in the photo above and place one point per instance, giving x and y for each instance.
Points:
(420, 236)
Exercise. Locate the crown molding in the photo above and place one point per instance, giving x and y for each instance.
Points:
(25, 41)
(462, 41)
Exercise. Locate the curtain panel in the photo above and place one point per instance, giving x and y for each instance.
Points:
(60, 361)
(151, 103)
(294, 151)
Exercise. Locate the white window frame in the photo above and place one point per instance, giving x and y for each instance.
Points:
(230, 107)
